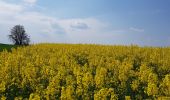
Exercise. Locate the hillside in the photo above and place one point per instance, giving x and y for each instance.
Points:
(85, 72)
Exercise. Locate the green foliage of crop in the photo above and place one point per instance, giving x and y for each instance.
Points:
(85, 72)
(6, 47)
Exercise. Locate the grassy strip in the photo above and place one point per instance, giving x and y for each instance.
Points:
(8, 47)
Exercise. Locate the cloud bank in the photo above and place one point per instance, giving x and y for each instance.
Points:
(136, 29)
(30, 1)
(44, 28)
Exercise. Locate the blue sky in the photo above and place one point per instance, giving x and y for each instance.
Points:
(124, 22)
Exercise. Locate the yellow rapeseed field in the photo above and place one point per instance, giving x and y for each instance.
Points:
(85, 72)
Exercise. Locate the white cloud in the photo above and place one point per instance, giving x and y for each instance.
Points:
(7, 8)
(136, 29)
(91, 24)
(80, 26)
(30, 1)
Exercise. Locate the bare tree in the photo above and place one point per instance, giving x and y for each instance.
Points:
(19, 36)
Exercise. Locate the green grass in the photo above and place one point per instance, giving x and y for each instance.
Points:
(8, 47)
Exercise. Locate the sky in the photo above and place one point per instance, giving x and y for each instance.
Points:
(114, 22)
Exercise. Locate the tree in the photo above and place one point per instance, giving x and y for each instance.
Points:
(19, 36)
